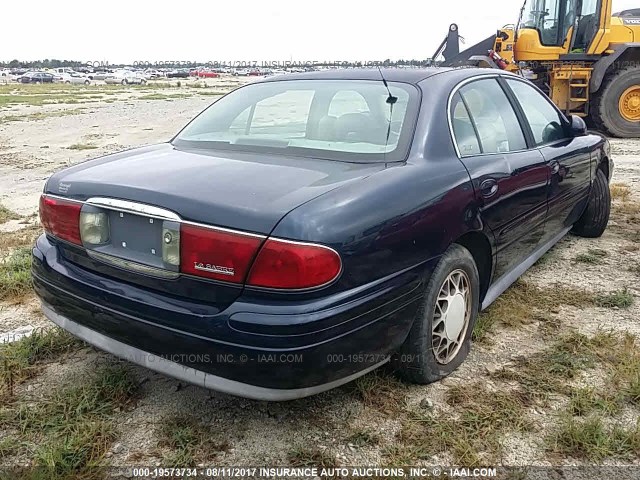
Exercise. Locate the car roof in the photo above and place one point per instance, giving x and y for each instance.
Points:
(406, 75)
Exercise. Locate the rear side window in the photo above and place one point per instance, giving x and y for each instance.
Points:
(493, 118)
(545, 121)
(463, 129)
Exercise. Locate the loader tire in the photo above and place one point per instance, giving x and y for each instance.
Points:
(616, 107)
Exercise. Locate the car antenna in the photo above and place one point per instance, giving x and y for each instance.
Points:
(391, 100)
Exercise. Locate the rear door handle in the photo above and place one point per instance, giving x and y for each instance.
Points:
(489, 188)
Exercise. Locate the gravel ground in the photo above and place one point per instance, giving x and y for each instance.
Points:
(259, 432)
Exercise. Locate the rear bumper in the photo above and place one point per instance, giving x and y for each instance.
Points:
(188, 374)
(248, 349)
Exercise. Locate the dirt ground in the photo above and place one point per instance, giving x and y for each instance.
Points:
(324, 428)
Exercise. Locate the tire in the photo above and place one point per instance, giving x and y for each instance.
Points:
(605, 110)
(87, 82)
(68, 82)
(595, 218)
(124, 81)
(416, 359)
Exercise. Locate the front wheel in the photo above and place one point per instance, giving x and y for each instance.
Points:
(440, 338)
(124, 81)
(595, 218)
(87, 82)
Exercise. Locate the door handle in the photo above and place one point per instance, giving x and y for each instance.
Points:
(489, 188)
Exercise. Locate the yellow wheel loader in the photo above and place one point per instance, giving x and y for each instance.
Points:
(584, 57)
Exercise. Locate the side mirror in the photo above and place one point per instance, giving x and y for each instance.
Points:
(578, 127)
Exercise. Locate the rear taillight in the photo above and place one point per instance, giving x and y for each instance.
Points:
(61, 218)
(293, 265)
(216, 254)
(280, 264)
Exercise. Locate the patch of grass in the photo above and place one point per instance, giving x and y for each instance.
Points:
(618, 299)
(592, 256)
(380, 390)
(72, 427)
(584, 401)
(24, 237)
(75, 454)
(550, 370)
(111, 387)
(620, 191)
(363, 438)
(471, 436)
(523, 303)
(190, 442)
(8, 446)
(20, 360)
(6, 214)
(40, 115)
(591, 439)
(15, 275)
(82, 146)
(310, 457)
(163, 96)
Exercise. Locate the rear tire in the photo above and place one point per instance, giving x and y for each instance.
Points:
(612, 114)
(595, 218)
(124, 81)
(421, 358)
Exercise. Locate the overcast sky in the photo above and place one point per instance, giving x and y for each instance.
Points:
(244, 30)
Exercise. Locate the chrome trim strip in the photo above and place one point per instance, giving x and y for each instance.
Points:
(188, 374)
(133, 207)
(507, 279)
(132, 266)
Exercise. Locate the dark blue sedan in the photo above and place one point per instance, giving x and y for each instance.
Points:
(304, 230)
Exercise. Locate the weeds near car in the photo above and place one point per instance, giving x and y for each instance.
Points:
(82, 146)
(618, 299)
(363, 438)
(20, 360)
(6, 214)
(594, 256)
(310, 457)
(70, 429)
(20, 239)
(620, 191)
(15, 275)
(524, 303)
(471, 435)
(381, 390)
(593, 440)
(190, 442)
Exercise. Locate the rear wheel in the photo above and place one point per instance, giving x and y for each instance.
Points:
(440, 338)
(124, 81)
(87, 82)
(595, 218)
(616, 108)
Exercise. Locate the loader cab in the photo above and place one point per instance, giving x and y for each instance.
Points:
(550, 28)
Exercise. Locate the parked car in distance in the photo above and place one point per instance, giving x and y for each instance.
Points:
(353, 218)
(179, 73)
(102, 74)
(125, 77)
(240, 72)
(75, 79)
(36, 77)
(208, 74)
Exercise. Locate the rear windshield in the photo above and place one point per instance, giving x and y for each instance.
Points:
(349, 120)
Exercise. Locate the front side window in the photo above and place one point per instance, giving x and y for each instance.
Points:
(545, 121)
(492, 116)
(351, 120)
